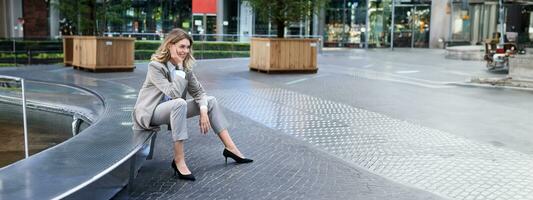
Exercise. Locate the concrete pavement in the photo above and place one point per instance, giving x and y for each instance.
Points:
(315, 109)
(341, 133)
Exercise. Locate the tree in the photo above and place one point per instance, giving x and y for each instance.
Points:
(91, 17)
(281, 12)
(113, 13)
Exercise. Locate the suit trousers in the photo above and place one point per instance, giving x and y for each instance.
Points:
(175, 113)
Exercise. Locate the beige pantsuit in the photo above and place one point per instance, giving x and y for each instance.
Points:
(175, 113)
(151, 110)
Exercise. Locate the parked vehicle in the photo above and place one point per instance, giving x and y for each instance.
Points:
(497, 55)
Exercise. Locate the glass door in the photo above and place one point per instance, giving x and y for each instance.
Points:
(403, 26)
(345, 23)
(421, 19)
(379, 23)
(411, 26)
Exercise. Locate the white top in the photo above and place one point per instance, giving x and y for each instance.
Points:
(175, 74)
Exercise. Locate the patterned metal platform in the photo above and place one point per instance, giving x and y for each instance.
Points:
(93, 164)
(408, 153)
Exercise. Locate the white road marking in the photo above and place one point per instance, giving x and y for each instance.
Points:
(296, 81)
(304, 79)
(407, 72)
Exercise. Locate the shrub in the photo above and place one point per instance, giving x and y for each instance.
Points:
(147, 45)
(49, 56)
(222, 46)
(212, 46)
(143, 49)
(143, 54)
(41, 45)
(220, 54)
(11, 55)
(146, 54)
(7, 64)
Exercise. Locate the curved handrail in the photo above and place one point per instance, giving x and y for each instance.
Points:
(85, 161)
(78, 112)
(25, 121)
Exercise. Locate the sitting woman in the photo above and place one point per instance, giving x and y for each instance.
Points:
(162, 100)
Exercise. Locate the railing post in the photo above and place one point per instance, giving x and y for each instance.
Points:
(24, 116)
(29, 57)
(14, 52)
(152, 147)
(131, 174)
(76, 122)
(26, 149)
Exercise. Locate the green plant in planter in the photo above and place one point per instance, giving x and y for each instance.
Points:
(49, 56)
(91, 17)
(281, 12)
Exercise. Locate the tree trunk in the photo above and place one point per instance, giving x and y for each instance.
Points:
(281, 28)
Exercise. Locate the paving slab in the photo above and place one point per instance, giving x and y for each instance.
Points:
(284, 168)
(311, 140)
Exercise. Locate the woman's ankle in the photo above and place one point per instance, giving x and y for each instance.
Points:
(235, 150)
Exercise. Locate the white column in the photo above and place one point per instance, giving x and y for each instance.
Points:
(439, 27)
(319, 21)
(220, 17)
(476, 26)
(485, 21)
(493, 23)
(245, 22)
(14, 11)
(53, 20)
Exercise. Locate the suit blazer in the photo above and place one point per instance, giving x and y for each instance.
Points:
(159, 83)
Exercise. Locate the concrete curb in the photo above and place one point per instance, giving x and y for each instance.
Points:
(470, 84)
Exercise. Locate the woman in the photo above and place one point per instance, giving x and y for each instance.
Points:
(161, 100)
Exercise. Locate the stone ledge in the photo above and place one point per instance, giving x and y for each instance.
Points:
(509, 82)
(465, 52)
(521, 67)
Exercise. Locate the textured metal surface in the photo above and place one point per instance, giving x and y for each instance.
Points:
(408, 153)
(284, 167)
(59, 98)
(85, 158)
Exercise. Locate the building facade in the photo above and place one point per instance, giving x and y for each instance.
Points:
(344, 23)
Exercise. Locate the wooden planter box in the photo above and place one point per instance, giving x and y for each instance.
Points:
(67, 50)
(101, 53)
(283, 55)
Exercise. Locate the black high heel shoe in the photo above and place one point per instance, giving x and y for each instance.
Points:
(237, 159)
(189, 177)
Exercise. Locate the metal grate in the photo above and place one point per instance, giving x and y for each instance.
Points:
(408, 153)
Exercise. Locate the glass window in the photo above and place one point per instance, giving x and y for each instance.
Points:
(379, 21)
(460, 23)
(345, 23)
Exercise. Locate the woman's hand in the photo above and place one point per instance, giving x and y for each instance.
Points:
(176, 59)
(204, 121)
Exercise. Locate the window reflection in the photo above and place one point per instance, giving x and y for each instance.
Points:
(345, 23)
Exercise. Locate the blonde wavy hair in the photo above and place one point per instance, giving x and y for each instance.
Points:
(162, 54)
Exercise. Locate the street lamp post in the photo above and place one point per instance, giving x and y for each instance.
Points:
(392, 26)
(502, 28)
(450, 31)
(367, 25)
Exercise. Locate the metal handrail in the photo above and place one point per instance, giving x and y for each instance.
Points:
(205, 35)
(26, 151)
(211, 34)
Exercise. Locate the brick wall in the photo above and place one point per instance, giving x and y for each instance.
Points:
(35, 14)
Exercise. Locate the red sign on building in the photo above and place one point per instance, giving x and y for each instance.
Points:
(204, 7)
